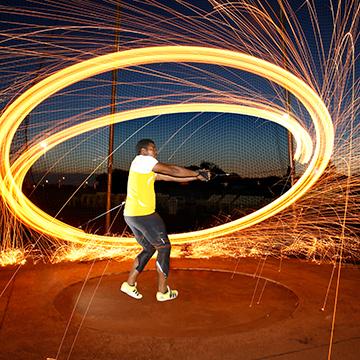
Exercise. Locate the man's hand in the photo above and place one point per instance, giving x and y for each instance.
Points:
(204, 175)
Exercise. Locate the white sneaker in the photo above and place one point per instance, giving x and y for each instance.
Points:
(130, 290)
(169, 295)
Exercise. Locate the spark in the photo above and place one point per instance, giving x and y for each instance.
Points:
(310, 228)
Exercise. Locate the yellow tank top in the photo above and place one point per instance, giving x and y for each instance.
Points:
(140, 199)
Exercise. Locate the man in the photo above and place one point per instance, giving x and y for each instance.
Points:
(141, 217)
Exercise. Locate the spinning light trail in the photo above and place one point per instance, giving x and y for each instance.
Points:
(322, 222)
(12, 176)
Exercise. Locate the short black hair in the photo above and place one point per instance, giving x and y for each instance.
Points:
(143, 144)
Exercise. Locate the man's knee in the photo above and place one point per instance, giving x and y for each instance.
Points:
(144, 257)
(164, 250)
(163, 259)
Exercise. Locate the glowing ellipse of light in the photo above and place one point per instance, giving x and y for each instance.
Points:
(29, 157)
(12, 177)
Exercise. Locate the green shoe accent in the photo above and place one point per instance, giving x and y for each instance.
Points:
(169, 295)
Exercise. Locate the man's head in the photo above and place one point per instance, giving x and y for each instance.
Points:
(146, 147)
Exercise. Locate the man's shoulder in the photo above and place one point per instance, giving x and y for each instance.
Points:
(143, 163)
(144, 159)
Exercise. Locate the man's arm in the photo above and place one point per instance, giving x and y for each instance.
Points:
(174, 170)
(162, 177)
(179, 174)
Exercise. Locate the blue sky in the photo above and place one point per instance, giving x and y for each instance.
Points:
(247, 146)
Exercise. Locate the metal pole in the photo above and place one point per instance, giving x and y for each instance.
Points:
(111, 126)
(287, 101)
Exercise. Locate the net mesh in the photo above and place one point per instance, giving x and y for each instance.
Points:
(68, 182)
(240, 146)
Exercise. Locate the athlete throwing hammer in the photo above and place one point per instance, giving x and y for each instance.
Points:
(147, 226)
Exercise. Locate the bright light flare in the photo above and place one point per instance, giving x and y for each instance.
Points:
(12, 257)
(11, 177)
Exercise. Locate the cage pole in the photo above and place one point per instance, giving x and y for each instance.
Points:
(111, 126)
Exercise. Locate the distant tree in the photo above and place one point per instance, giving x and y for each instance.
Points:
(212, 167)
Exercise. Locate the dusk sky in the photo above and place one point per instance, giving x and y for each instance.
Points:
(247, 146)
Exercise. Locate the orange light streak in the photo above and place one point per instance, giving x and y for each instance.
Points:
(11, 177)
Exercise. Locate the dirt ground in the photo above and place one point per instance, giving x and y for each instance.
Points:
(227, 309)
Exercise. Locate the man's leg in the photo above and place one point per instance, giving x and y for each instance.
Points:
(133, 273)
(162, 263)
(140, 261)
(144, 256)
(155, 233)
(153, 229)
(162, 266)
